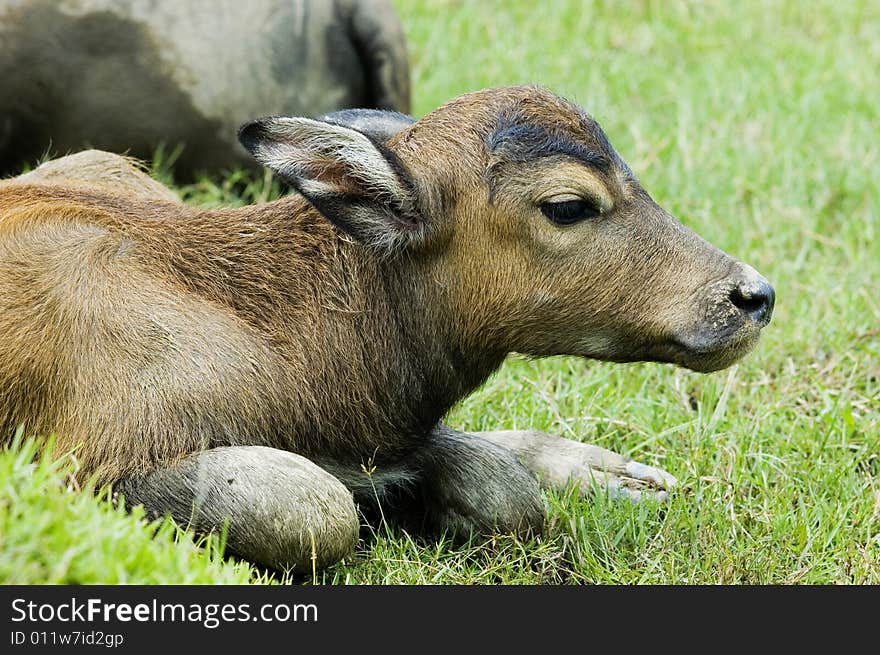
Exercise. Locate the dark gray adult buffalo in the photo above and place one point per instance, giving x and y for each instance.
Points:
(127, 75)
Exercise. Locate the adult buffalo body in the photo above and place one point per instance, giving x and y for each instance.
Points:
(129, 75)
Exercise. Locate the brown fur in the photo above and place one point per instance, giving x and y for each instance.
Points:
(113, 173)
(140, 330)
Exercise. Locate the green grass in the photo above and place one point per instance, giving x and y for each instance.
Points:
(53, 532)
(752, 122)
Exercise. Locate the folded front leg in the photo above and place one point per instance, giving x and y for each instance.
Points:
(472, 486)
(283, 510)
(452, 483)
(557, 462)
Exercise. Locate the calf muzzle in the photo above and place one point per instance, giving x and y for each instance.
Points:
(734, 311)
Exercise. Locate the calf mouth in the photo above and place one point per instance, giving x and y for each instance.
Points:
(707, 354)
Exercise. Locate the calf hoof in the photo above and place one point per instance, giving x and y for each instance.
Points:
(558, 462)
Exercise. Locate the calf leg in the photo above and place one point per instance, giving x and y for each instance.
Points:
(454, 483)
(470, 485)
(557, 462)
(283, 510)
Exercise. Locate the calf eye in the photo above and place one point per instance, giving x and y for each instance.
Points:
(568, 212)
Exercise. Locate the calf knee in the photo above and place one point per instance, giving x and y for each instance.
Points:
(474, 486)
(283, 511)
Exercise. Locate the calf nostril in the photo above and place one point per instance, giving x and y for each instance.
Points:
(755, 299)
(746, 301)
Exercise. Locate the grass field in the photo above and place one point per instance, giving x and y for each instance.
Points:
(753, 123)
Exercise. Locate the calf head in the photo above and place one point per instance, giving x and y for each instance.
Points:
(515, 216)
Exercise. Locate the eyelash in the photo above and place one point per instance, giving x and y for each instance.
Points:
(569, 212)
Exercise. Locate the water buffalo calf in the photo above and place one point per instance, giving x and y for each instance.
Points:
(274, 364)
(129, 75)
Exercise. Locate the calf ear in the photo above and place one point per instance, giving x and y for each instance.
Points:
(356, 183)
